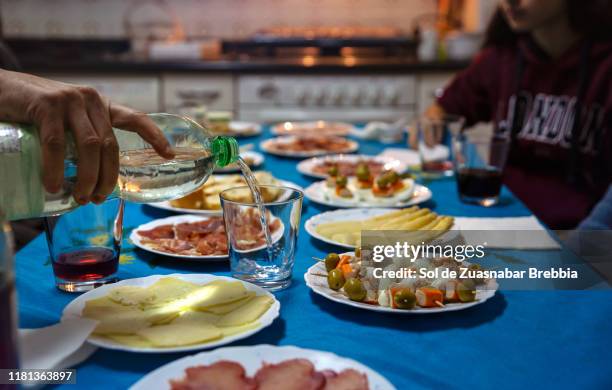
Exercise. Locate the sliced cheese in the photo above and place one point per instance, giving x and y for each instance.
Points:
(113, 317)
(130, 340)
(245, 314)
(234, 330)
(163, 291)
(196, 317)
(174, 335)
(228, 307)
(216, 293)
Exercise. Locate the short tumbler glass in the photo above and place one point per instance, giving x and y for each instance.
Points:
(85, 245)
(479, 163)
(428, 136)
(250, 258)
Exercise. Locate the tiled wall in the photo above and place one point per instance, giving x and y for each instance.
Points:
(222, 18)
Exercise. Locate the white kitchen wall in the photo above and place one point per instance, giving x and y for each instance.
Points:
(221, 18)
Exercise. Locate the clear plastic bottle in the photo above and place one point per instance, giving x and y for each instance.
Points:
(143, 175)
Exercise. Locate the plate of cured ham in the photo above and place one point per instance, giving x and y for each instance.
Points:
(308, 146)
(264, 367)
(198, 237)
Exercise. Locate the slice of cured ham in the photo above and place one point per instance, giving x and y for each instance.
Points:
(222, 375)
(294, 374)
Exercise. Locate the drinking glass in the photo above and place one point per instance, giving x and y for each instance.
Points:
(85, 245)
(479, 163)
(250, 257)
(428, 136)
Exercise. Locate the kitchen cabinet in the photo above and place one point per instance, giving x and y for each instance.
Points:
(352, 98)
(136, 91)
(216, 91)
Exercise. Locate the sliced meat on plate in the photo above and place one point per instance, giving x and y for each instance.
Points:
(222, 375)
(346, 380)
(294, 374)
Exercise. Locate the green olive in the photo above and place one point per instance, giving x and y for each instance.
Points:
(466, 291)
(358, 252)
(382, 182)
(335, 279)
(362, 172)
(392, 176)
(476, 267)
(354, 289)
(404, 299)
(341, 181)
(331, 261)
(333, 171)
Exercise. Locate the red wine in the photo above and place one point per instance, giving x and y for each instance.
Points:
(8, 326)
(86, 264)
(479, 182)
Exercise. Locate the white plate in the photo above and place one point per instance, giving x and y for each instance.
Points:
(137, 238)
(317, 192)
(313, 127)
(267, 146)
(75, 308)
(318, 284)
(306, 167)
(257, 158)
(252, 359)
(357, 215)
(338, 216)
(244, 129)
(167, 206)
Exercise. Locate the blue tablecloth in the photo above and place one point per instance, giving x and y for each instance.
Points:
(543, 339)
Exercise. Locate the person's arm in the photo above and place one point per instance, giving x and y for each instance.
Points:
(55, 107)
(467, 95)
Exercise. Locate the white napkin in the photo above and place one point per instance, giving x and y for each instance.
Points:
(507, 239)
(58, 346)
(407, 156)
(435, 153)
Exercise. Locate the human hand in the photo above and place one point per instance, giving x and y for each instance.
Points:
(55, 107)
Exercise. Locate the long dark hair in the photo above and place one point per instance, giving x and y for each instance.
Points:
(591, 18)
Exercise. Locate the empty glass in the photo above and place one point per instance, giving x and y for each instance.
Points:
(479, 162)
(428, 136)
(250, 257)
(85, 245)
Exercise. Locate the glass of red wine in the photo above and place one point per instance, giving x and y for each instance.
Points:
(85, 245)
(479, 159)
(430, 136)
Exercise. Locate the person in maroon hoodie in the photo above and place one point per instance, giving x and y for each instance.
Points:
(544, 78)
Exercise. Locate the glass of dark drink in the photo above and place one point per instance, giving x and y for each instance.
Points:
(431, 136)
(479, 160)
(85, 245)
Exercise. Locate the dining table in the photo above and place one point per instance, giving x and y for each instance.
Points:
(517, 339)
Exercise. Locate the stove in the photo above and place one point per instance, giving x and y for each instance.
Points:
(347, 97)
(355, 98)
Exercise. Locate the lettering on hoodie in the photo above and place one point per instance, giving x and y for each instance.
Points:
(549, 119)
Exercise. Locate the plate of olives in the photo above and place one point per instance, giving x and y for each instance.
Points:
(344, 279)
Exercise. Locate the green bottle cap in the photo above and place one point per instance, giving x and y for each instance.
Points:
(225, 150)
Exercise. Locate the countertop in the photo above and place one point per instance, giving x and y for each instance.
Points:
(112, 57)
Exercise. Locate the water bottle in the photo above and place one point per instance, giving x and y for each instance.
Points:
(143, 175)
